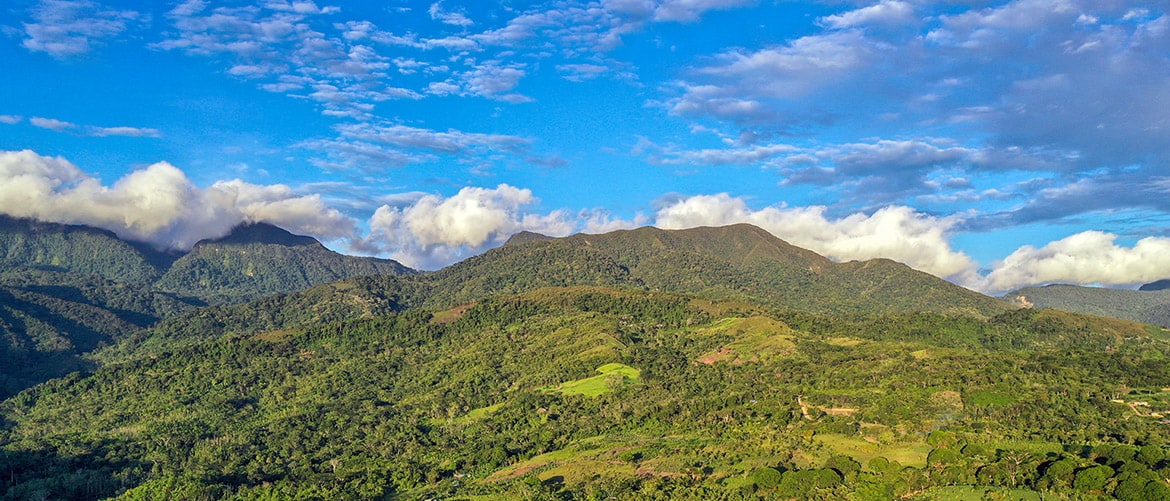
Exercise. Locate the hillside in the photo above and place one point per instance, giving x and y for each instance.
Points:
(590, 392)
(26, 244)
(1150, 306)
(739, 262)
(735, 262)
(67, 290)
(259, 259)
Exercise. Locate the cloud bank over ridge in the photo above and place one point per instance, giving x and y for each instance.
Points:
(159, 205)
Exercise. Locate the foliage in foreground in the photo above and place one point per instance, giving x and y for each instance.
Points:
(730, 401)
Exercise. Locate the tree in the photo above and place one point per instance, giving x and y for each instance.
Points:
(1092, 479)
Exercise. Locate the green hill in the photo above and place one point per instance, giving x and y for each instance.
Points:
(713, 363)
(1149, 306)
(27, 244)
(733, 262)
(739, 262)
(67, 290)
(593, 392)
(259, 259)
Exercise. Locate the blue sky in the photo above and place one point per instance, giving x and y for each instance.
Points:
(997, 144)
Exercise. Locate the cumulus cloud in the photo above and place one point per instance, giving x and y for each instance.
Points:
(11, 119)
(157, 204)
(1091, 257)
(434, 231)
(895, 232)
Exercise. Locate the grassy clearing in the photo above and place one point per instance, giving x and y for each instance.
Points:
(451, 314)
(611, 376)
(752, 339)
(477, 414)
(991, 398)
(906, 453)
(274, 335)
(582, 469)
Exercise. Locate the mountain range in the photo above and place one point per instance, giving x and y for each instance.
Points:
(709, 363)
(66, 290)
(1149, 304)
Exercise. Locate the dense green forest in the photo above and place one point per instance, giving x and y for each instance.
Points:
(714, 363)
(68, 290)
(697, 399)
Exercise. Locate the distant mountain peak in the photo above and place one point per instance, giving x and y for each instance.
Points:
(526, 236)
(262, 233)
(1156, 286)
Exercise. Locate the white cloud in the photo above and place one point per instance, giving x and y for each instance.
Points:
(278, 44)
(11, 119)
(895, 232)
(448, 17)
(495, 81)
(1090, 257)
(786, 85)
(886, 12)
(68, 28)
(450, 141)
(691, 10)
(51, 124)
(582, 72)
(157, 204)
(723, 156)
(123, 131)
(435, 231)
(90, 130)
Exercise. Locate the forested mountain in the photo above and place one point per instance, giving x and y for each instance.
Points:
(259, 259)
(27, 244)
(597, 393)
(712, 363)
(740, 262)
(1151, 305)
(66, 290)
(733, 262)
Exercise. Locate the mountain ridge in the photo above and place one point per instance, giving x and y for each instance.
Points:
(67, 290)
(1156, 285)
(1148, 306)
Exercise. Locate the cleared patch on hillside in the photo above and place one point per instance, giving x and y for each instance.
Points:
(862, 451)
(273, 336)
(611, 377)
(451, 314)
(749, 339)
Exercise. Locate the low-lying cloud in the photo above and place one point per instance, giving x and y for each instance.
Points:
(157, 204)
(435, 231)
(1090, 257)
